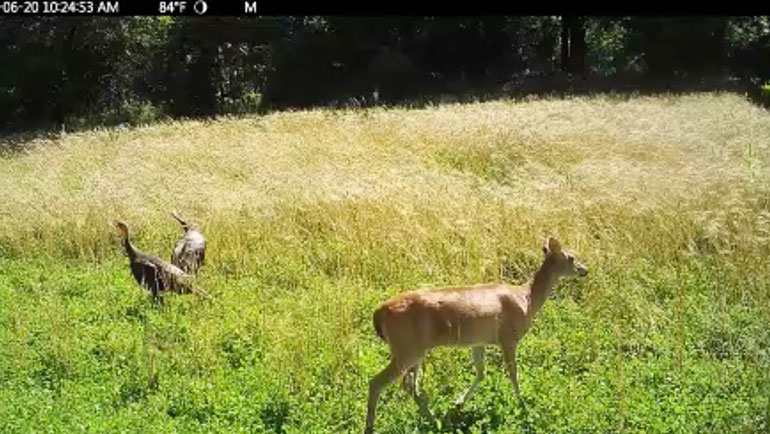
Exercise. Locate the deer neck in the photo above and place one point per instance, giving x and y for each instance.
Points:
(540, 287)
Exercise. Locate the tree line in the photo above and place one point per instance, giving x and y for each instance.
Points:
(103, 71)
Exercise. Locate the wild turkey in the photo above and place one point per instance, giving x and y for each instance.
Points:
(190, 250)
(151, 272)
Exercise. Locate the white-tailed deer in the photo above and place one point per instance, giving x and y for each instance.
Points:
(473, 316)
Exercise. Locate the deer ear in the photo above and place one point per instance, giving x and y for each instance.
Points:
(553, 245)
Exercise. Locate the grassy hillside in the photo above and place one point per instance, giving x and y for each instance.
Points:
(313, 218)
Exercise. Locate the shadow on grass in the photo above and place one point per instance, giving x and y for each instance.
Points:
(465, 419)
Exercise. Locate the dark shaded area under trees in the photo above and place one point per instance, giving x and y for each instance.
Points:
(83, 71)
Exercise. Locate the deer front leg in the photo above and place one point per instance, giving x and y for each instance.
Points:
(509, 357)
(478, 363)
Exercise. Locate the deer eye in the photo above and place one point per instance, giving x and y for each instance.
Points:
(571, 259)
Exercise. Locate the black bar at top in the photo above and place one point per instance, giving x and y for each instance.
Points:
(193, 8)
(337, 7)
(20, 8)
(246, 8)
(267, 7)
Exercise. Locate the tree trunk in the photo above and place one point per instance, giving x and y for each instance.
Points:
(578, 46)
(565, 43)
(573, 44)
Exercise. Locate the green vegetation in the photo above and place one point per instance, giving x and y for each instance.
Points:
(313, 218)
(73, 73)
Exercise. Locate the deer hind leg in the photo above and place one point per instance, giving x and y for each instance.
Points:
(385, 377)
(411, 386)
(478, 363)
(396, 368)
